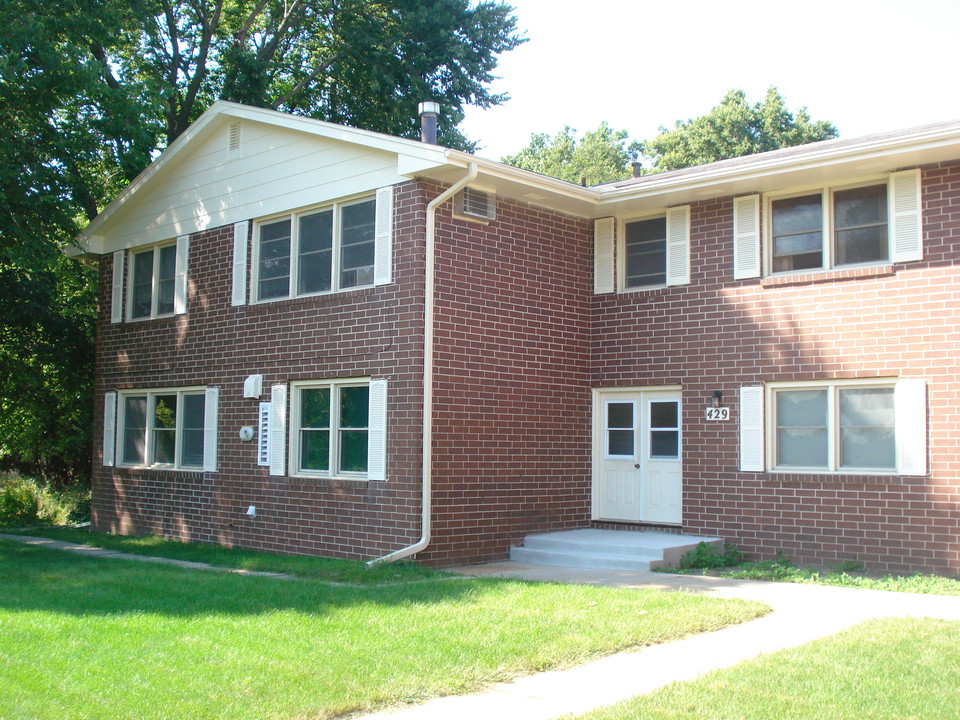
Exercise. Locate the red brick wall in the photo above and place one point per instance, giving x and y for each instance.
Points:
(370, 332)
(512, 433)
(719, 334)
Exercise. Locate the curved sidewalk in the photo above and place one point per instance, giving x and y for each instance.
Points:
(801, 613)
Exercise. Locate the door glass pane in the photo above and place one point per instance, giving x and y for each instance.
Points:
(620, 434)
(665, 429)
(646, 251)
(357, 227)
(142, 284)
(134, 429)
(801, 428)
(166, 279)
(665, 414)
(798, 233)
(316, 252)
(867, 438)
(664, 444)
(191, 434)
(164, 429)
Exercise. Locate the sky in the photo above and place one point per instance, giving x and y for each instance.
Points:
(866, 66)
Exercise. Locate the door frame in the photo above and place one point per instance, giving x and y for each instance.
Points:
(598, 439)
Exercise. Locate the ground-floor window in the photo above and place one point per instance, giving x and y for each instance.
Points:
(843, 426)
(165, 428)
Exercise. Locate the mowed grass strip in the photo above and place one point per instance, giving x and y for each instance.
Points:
(93, 638)
(896, 669)
(319, 568)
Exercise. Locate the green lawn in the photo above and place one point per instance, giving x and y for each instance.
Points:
(314, 567)
(95, 639)
(895, 669)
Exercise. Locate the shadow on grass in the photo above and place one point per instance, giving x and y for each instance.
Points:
(59, 581)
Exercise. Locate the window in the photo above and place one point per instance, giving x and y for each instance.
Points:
(316, 251)
(167, 428)
(152, 281)
(829, 228)
(645, 252)
(839, 426)
(652, 252)
(338, 428)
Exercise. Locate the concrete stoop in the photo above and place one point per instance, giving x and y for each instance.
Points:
(609, 549)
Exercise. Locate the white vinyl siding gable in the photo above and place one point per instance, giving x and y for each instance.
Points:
(603, 264)
(906, 224)
(678, 245)
(746, 237)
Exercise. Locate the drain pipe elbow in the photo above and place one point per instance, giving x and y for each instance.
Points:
(428, 344)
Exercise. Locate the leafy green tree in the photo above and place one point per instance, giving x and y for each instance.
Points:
(603, 155)
(732, 129)
(91, 89)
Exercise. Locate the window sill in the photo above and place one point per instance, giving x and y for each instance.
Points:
(823, 276)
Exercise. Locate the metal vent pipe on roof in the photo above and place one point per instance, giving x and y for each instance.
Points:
(429, 113)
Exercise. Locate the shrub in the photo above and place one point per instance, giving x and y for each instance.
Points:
(705, 556)
(25, 501)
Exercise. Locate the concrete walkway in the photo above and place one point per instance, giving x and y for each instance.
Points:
(801, 613)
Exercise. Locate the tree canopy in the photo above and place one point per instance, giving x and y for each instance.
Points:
(603, 155)
(90, 90)
(731, 129)
(734, 128)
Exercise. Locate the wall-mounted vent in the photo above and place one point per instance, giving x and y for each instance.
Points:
(233, 137)
(476, 205)
(263, 435)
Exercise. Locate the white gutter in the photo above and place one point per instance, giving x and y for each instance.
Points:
(428, 321)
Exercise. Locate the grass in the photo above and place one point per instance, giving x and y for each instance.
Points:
(98, 639)
(316, 568)
(846, 575)
(895, 669)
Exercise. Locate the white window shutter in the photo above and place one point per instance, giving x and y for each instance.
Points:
(278, 430)
(240, 232)
(603, 266)
(910, 410)
(211, 403)
(109, 429)
(383, 235)
(751, 428)
(678, 245)
(377, 432)
(746, 237)
(906, 225)
(116, 298)
(180, 280)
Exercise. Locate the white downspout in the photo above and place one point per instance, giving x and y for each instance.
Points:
(428, 321)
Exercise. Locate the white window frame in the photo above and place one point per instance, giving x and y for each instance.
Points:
(676, 248)
(155, 282)
(335, 386)
(832, 388)
(828, 249)
(294, 217)
(149, 449)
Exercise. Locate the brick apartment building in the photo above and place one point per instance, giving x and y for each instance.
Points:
(763, 349)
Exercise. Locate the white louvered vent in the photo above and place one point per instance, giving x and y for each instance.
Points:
(263, 435)
(233, 137)
(473, 204)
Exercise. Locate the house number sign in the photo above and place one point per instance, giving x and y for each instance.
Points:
(718, 413)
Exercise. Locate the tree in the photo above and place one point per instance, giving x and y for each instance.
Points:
(90, 90)
(603, 155)
(733, 129)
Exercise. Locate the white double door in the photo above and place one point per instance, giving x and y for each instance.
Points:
(637, 456)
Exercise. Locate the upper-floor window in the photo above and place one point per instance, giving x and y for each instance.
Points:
(645, 252)
(316, 251)
(829, 228)
(651, 251)
(152, 279)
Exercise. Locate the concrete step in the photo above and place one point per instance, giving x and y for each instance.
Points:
(609, 549)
